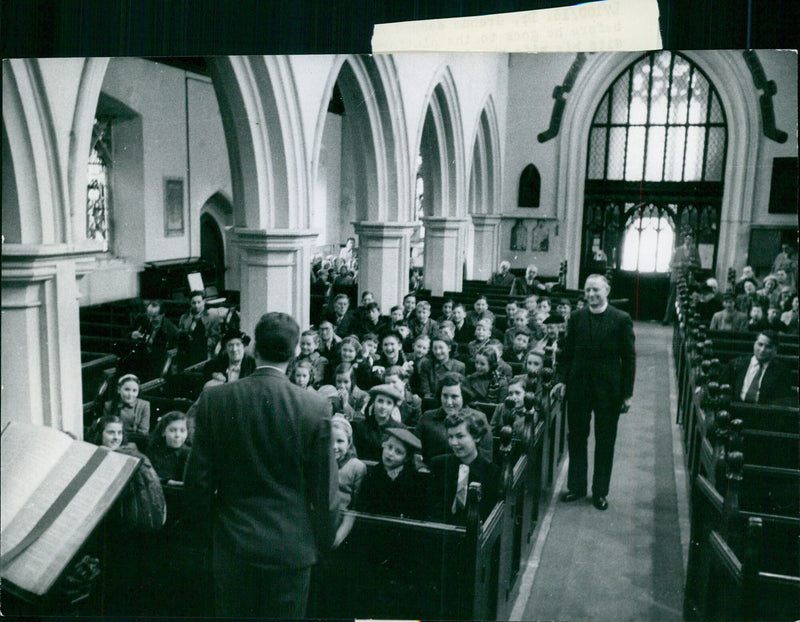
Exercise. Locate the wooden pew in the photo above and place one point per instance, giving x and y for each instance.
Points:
(742, 565)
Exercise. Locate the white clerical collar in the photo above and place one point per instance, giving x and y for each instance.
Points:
(600, 310)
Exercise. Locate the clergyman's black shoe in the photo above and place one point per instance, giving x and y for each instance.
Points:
(600, 503)
(569, 497)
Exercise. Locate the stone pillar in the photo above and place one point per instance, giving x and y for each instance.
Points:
(486, 246)
(384, 258)
(41, 349)
(275, 273)
(444, 254)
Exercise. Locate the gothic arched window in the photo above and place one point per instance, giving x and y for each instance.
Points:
(98, 182)
(658, 139)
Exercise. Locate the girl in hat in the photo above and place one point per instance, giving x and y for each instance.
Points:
(233, 362)
(451, 474)
(393, 486)
(132, 411)
(368, 434)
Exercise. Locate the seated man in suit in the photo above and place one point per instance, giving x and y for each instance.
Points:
(343, 319)
(527, 284)
(503, 276)
(761, 378)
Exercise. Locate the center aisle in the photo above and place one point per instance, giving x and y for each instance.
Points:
(625, 563)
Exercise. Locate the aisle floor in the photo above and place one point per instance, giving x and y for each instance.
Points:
(626, 563)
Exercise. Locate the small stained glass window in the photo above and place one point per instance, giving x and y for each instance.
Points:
(98, 179)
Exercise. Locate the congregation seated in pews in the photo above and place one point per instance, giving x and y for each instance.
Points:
(738, 406)
(401, 400)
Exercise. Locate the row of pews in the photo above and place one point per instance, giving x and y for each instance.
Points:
(743, 461)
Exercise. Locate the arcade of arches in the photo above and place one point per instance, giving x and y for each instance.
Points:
(262, 162)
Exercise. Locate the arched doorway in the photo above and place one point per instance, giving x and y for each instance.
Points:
(655, 169)
(212, 249)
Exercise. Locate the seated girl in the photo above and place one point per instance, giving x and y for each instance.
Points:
(431, 430)
(393, 486)
(351, 473)
(451, 474)
(168, 451)
(132, 411)
(354, 400)
(433, 370)
(511, 410)
(410, 408)
(381, 413)
(534, 361)
(488, 383)
(141, 507)
(309, 346)
(519, 347)
(302, 375)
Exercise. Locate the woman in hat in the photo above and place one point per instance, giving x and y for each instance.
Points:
(232, 363)
(368, 434)
(452, 473)
(431, 429)
(393, 486)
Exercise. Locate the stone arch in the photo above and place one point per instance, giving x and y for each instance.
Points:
(729, 76)
(38, 172)
(440, 141)
(366, 85)
(485, 164)
(265, 149)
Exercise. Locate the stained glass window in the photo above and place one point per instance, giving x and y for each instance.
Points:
(661, 121)
(97, 191)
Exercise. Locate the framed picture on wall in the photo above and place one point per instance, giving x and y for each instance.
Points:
(173, 206)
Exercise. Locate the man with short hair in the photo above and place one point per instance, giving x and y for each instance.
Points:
(343, 319)
(597, 365)
(199, 332)
(761, 378)
(153, 334)
(503, 276)
(729, 318)
(262, 466)
(528, 284)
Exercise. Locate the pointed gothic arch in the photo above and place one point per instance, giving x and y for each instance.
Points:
(741, 110)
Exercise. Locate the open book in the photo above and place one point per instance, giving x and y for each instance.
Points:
(55, 490)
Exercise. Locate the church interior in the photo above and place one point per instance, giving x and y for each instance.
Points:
(124, 179)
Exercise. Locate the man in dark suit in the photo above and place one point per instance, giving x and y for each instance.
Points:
(528, 284)
(761, 378)
(344, 321)
(597, 365)
(262, 463)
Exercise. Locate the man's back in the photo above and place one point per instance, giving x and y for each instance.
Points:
(264, 445)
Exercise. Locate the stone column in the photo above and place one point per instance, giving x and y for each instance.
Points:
(486, 248)
(275, 273)
(384, 257)
(444, 254)
(41, 349)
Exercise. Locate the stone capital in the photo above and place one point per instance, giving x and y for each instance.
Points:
(374, 229)
(444, 224)
(486, 220)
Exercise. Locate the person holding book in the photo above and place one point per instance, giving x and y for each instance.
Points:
(133, 411)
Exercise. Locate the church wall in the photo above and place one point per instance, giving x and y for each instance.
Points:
(780, 66)
(531, 80)
(328, 193)
(209, 166)
(12, 225)
(149, 149)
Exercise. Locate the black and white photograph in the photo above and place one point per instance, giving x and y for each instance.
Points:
(473, 336)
